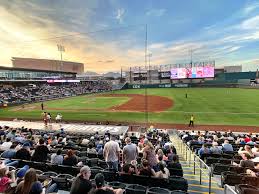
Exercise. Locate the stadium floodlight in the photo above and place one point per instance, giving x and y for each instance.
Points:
(61, 49)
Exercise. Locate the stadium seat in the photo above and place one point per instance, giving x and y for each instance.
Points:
(82, 159)
(95, 170)
(135, 189)
(211, 160)
(178, 192)
(231, 178)
(218, 168)
(38, 172)
(177, 183)
(246, 189)
(126, 178)
(102, 164)
(117, 185)
(227, 156)
(157, 190)
(92, 162)
(91, 155)
(254, 181)
(175, 172)
(141, 180)
(46, 175)
(158, 182)
(63, 181)
(110, 175)
(64, 169)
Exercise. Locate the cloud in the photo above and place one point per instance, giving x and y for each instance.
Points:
(157, 46)
(120, 14)
(156, 12)
(249, 8)
(251, 23)
(234, 48)
(109, 61)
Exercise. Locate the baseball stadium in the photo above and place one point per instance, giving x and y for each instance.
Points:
(75, 125)
(224, 102)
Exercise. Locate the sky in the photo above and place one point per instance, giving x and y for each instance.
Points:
(106, 35)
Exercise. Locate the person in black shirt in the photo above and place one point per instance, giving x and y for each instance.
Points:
(41, 152)
(70, 159)
(81, 184)
(24, 152)
(101, 189)
(145, 169)
(175, 163)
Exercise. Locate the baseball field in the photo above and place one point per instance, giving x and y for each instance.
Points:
(210, 106)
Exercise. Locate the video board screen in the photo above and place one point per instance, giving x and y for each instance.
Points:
(192, 72)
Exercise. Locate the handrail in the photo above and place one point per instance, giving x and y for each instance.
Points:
(184, 149)
(227, 187)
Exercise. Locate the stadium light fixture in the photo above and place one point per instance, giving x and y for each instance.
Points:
(61, 49)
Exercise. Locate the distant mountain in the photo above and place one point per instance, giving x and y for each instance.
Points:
(90, 73)
(112, 74)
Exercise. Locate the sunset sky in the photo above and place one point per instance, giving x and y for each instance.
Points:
(108, 34)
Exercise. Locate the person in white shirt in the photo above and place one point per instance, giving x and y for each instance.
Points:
(255, 150)
(111, 153)
(58, 118)
(6, 145)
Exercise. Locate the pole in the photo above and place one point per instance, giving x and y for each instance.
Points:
(121, 76)
(146, 97)
(61, 62)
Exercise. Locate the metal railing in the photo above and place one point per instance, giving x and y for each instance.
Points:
(229, 190)
(192, 158)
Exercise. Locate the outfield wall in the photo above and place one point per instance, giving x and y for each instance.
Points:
(184, 85)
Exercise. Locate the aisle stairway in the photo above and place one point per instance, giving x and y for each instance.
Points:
(194, 185)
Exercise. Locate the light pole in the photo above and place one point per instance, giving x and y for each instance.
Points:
(61, 49)
(149, 74)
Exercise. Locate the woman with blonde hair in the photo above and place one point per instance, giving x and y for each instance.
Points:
(30, 184)
(161, 154)
(149, 154)
(247, 149)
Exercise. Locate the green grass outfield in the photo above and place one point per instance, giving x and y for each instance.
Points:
(217, 106)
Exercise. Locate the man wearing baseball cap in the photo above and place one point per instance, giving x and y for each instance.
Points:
(101, 188)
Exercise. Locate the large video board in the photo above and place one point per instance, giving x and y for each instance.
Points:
(192, 72)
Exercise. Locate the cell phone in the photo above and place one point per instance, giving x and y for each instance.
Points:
(14, 184)
(46, 182)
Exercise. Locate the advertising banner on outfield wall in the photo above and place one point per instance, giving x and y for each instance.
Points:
(138, 86)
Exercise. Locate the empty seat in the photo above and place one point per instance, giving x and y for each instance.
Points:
(177, 183)
(244, 188)
(46, 175)
(157, 190)
(110, 175)
(219, 168)
(117, 185)
(141, 180)
(178, 192)
(135, 189)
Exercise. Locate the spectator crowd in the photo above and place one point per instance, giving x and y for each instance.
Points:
(150, 154)
(29, 93)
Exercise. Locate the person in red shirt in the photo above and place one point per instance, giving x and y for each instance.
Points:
(247, 139)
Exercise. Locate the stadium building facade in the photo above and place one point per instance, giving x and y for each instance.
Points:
(38, 69)
(48, 65)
